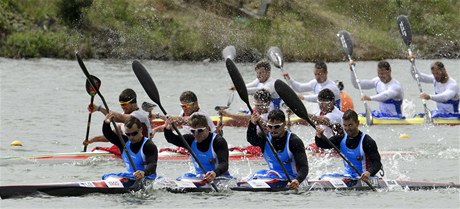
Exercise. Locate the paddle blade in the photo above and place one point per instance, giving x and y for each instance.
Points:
(292, 101)
(345, 41)
(148, 107)
(229, 52)
(146, 81)
(237, 80)
(89, 88)
(404, 29)
(275, 55)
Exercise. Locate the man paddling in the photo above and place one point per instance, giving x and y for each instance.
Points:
(189, 104)
(288, 146)
(210, 148)
(262, 99)
(316, 85)
(446, 90)
(329, 117)
(128, 103)
(356, 146)
(390, 93)
(142, 150)
(264, 81)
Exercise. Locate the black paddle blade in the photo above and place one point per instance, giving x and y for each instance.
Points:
(345, 41)
(147, 83)
(292, 101)
(238, 81)
(275, 55)
(229, 52)
(404, 29)
(89, 88)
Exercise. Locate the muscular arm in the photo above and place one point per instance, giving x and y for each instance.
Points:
(253, 138)
(322, 143)
(448, 94)
(252, 87)
(423, 77)
(373, 155)
(176, 140)
(298, 150)
(365, 84)
(390, 93)
(221, 149)
(151, 157)
(112, 136)
(302, 87)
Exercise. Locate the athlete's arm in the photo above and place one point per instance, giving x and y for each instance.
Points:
(298, 150)
(151, 157)
(221, 149)
(372, 153)
(253, 138)
(112, 136)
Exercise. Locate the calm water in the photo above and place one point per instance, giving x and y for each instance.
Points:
(43, 104)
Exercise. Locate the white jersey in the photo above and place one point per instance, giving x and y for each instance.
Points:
(315, 87)
(335, 117)
(143, 117)
(186, 129)
(391, 91)
(445, 93)
(269, 85)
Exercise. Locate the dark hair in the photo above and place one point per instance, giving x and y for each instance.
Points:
(384, 65)
(263, 95)
(276, 114)
(131, 121)
(127, 95)
(188, 96)
(321, 65)
(350, 114)
(339, 84)
(439, 65)
(197, 119)
(326, 95)
(263, 64)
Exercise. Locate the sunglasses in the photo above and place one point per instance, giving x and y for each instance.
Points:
(197, 130)
(132, 133)
(323, 102)
(186, 105)
(274, 126)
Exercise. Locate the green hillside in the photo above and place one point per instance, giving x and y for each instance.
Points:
(199, 29)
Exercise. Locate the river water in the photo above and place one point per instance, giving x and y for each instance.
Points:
(43, 104)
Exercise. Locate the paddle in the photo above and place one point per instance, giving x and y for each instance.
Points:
(138, 184)
(347, 46)
(406, 34)
(148, 107)
(240, 87)
(219, 108)
(150, 88)
(92, 92)
(293, 102)
(275, 55)
(230, 53)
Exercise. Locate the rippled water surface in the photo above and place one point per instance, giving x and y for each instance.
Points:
(43, 104)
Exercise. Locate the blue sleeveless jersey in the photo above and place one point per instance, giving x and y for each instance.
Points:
(208, 159)
(356, 156)
(286, 157)
(138, 160)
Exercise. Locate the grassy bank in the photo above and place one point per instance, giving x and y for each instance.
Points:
(199, 29)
